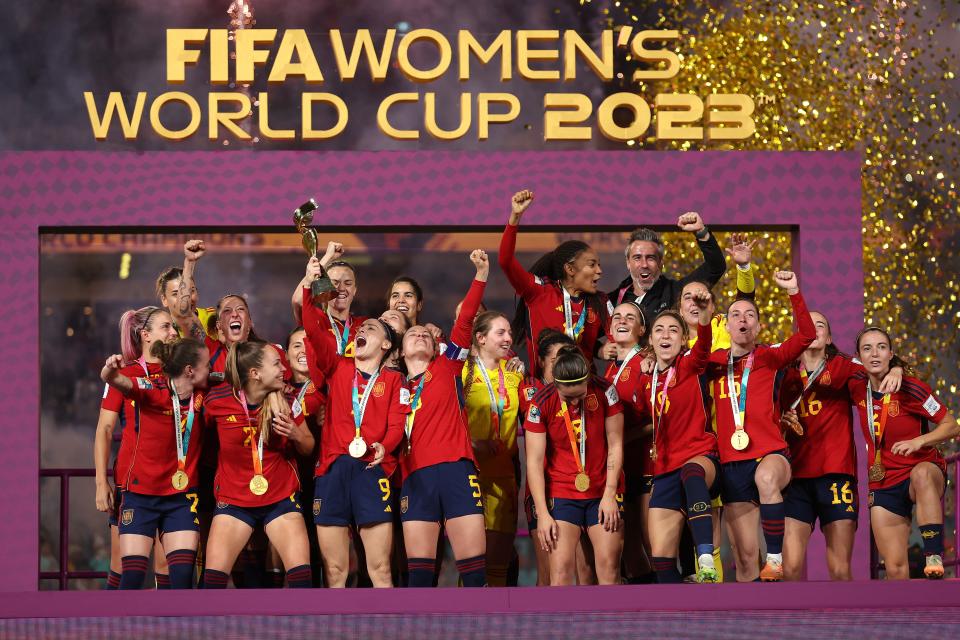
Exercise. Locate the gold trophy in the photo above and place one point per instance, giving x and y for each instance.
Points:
(321, 289)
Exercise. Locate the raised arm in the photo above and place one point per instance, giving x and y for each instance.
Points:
(112, 376)
(806, 333)
(741, 251)
(699, 357)
(181, 307)
(714, 265)
(319, 337)
(523, 282)
(462, 334)
(334, 251)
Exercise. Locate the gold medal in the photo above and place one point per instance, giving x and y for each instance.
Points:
(258, 485)
(582, 482)
(180, 480)
(877, 472)
(357, 447)
(739, 440)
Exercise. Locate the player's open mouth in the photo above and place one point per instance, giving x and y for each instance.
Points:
(302, 359)
(874, 363)
(236, 326)
(665, 345)
(361, 341)
(622, 329)
(402, 308)
(742, 329)
(643, 277)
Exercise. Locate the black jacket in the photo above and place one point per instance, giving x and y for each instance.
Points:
(666, 291)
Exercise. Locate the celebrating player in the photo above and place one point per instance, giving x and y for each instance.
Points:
(905, 466)
(161, 475)
(559, 292)
(491, 394)
(684, 448)
(753, 453)
(256, 482)
(440, 481)
(357, 448)
(574, 433)
(139, 330)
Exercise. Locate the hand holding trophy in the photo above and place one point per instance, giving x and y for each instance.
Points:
(321, 289)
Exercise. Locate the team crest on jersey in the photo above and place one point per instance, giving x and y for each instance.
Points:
(126, 516)
(379, 388)
(533, 415)
(316, 506)
(825, 378)
(427, 376)
(529, 392)
(893, 410)
(404, 504)
(625, 374)
(591, 402)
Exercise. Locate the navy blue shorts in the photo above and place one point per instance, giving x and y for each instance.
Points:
(350, 494)
(257, 516)
(636, 486)
(895, 499)
(668, 490)
(583, 513)
(113, 518)
(441, 492)
(145, 515)
(737, 483)
(829, 498)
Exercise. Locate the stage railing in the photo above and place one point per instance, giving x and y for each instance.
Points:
(64, 574)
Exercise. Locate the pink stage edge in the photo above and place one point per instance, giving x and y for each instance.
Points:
(815, 194)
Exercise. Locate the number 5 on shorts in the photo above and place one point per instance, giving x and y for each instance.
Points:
(476, 485)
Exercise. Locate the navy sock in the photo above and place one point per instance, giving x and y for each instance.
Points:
(666, 568)
(699, 515)
(932, 535)
(300, 577)
(134, 572)
(163, 581)
(213, 579)
(473, 571)
(771, 519)
(181, 563)
(646, 578)
(113, 581)
(420, 572)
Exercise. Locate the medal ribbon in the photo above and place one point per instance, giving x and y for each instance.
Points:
(183, 439)
(256, 450)
(807, 383)
(572, 331)
(408, 428)
(360, 405)
(877, 432)
(738, 404)
(663, 401)
(582, 457)
(633, 352)
(143, 365)
(302, 394)
(497, 401)
(342, 339)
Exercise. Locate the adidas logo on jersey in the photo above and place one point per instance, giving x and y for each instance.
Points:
(231, 418)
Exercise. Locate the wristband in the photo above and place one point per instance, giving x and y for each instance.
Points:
(702, 234)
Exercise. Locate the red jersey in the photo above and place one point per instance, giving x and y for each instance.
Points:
(636, 448)
(439, 427)
(129, 415)
(307, 400)
(762, 415)
(384, 416)
(560, 466)
(153, 460)
(826, 445)
(682, 430)
(909, 413)
(544, 300)
(224, 412)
